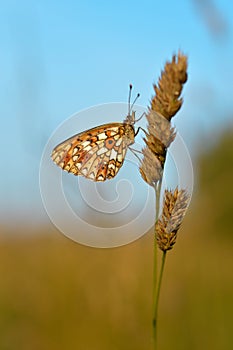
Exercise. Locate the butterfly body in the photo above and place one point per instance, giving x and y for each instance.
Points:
(97, 153)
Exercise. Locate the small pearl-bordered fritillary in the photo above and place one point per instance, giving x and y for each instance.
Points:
(97, 153)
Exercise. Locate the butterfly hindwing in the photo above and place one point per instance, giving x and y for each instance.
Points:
(98, 153)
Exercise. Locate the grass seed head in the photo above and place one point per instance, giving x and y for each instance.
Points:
(164, 105)
(174, 209)
(167, 100)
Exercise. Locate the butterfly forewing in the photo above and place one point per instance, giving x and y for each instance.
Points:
(98, 153)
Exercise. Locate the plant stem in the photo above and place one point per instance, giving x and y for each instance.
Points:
(155, 303)
(157, 297)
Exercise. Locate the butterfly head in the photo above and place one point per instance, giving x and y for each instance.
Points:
(130, 119)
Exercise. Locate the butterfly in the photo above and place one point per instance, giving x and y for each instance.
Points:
(97, 153)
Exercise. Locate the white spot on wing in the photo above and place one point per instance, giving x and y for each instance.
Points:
(100, 178)
(85, 143)
(87, 148)
(118, 142)
(112, 166)
(102, 136)
(101, 151)
(114, 130)
(123, 152)
(119, 157)
(84, 171)
(113, 154)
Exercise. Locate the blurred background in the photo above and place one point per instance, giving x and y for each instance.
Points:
(59, 58)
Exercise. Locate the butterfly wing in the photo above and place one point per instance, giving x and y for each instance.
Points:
(98, 153)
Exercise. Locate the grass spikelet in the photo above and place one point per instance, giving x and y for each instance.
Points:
(151, 168)
(160, 127)
(164, 105)
(167, 100)
(174, 208)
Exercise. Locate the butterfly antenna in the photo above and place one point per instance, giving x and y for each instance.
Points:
(138, 95)
(130, 92)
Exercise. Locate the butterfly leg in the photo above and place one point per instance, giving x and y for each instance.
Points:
(135, 151)
(140, 128)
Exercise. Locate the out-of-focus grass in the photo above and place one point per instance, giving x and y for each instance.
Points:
(56, 294)
(215, 186)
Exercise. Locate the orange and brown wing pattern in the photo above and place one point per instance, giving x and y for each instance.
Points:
(98, 153)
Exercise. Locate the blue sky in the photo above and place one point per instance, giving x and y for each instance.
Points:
(60, 57)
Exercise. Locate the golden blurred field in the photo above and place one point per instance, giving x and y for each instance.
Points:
(56, 294)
